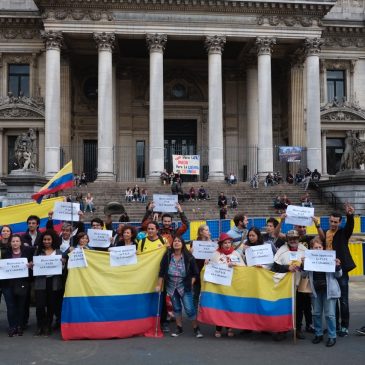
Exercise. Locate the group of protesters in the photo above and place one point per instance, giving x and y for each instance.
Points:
(179, 274)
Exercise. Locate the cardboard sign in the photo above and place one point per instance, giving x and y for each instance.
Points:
(66, 211)
(76, 259)
(186, 164)
(99, 237)
(203, 250)
(123, 255)
(14, 268)
(165, 203)
(300, 216)
(320, 260)
(47, 265)
(218, 274)
(259, 255)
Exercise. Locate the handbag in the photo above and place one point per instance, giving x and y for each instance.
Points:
(304, 286)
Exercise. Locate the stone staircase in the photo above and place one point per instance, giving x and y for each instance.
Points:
(254, 202)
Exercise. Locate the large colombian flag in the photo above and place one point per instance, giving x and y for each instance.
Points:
(61, 181)
(104, 302)
(256, 300)
(16, 215)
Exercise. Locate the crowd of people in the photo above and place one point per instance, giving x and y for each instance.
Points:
(179, 274)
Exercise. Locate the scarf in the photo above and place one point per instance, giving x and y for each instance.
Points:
(226, 251)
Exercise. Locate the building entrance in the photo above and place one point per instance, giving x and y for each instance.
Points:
(180, 139)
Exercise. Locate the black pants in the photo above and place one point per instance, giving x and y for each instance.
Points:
(15, 304)
(303, 307)
(342, 307)
(47, 302)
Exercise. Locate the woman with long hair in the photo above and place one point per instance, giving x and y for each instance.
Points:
(5, 234)
(178, 271)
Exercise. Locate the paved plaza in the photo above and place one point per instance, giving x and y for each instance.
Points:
(187, 350)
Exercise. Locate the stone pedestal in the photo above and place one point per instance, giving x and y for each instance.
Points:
(348, 186)
(21, 185)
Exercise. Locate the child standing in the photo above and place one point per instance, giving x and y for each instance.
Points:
(325, 292)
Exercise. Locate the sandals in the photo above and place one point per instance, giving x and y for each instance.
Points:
(217, 334)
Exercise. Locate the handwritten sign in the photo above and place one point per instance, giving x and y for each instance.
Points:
(218, 274)
(320, 260)
(259, 255)
(186, 164)
(66, 211)
(300, 216)
(76, 259)
(203, 250)
(99, 237)
(123, 255)
(14, 268)
(47, 265)
(164, 203)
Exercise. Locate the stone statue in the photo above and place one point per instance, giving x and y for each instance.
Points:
(354, 154)
(26, 150)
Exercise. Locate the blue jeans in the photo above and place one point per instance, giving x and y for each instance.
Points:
(15, 305)
(187, 302)
(320, 304)
(344, 310)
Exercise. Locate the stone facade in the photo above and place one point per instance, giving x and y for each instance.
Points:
(118, 86)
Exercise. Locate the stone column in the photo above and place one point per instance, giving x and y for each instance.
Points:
(53, 42)
(104, 43)
(1, 151)
(214, 45)
(312, 49)
(265, 145)
(156, 44)
(324, 152)
(252, 117)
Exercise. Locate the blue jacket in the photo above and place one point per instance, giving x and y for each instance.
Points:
(237, 235)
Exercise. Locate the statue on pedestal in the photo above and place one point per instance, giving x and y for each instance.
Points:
(26, 151)
(354, 154)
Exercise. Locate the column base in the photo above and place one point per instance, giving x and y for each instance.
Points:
(216, 176)
(105, 176)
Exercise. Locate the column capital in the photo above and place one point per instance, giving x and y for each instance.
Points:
(104, 41)
(324, 132)
(52, 40)
(312, 46)
(156, 42)
(215, 43)
(264, 45)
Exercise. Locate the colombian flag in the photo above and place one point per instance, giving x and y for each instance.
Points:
(16, 215)
(61, 181)
(102, 302)
(255, 301)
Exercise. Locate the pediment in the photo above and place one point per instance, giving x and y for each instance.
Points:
(21, 108)
(342, 114)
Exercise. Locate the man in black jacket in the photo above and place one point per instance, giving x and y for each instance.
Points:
(338, 239)
(32, 235)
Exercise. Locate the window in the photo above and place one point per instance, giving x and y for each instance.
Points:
(18, 82)
(336, 85)
(140, 150)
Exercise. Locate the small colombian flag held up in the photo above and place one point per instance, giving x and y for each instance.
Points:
(61, 181)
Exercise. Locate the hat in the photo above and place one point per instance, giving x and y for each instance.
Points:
(223, 237)
(292, 234)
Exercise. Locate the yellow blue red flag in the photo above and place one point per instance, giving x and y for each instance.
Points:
(255, 301)
(16, 215)
(61, 181)
(103, 302)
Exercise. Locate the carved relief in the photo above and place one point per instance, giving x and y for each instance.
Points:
(215, 43)
(264, 45)
(53, 40)
(61, 14)
(345, 42)
(104, 41)
(312, 46)
(342, 110)
(156, 42)
(21, 107)
(77, 14)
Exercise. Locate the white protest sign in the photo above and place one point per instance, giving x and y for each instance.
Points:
(99, 237)
(294, 256)
(259, 255)
(76, 259)
(186, 164)
(164, 203)
(320, 260)
(203, 250)
(47, 265)
(62, 211)
(218, 274)
(14, 268)
(300, 216)
(123, 255)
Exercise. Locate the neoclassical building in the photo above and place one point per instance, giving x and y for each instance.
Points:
(121, 85)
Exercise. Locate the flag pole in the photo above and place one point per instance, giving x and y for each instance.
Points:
(294, 308)
(158, 314)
